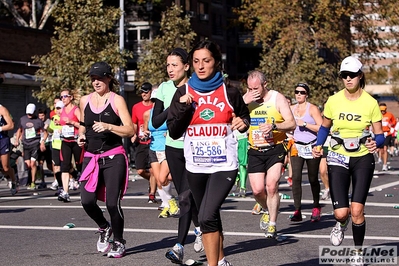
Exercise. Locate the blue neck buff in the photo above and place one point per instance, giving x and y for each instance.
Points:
(205, 85)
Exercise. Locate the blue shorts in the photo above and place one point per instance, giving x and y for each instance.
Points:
(5, 145)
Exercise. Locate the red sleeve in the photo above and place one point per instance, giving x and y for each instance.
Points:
(134, 116)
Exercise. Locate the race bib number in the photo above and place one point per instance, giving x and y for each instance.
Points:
(208, 152)
(261, 140)
(304, 151)
(68, 131)
(30, 133)
(337, 159)
(57, 134)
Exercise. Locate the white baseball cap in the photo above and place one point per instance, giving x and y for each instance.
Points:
(351, 64)
(59, 104)
(30, 108)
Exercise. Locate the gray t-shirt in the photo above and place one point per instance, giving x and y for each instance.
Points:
(31, 129)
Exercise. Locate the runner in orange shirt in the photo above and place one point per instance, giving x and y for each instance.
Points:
(388, 126)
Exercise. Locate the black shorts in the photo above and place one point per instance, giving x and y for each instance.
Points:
(389, 141)
(5, 145)
(31, 152)
(360, 172)
(260, 162)
(56, 157)
(45, 156)
(142, 156)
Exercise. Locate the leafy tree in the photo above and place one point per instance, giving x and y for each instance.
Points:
(84, 34)
(175, 32)
(304, 41)
(26, 13)
(377, 76)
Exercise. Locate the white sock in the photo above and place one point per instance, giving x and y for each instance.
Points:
(167, 189)
(163, 197)
(272, 223)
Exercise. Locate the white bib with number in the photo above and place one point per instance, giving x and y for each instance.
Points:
(68, 131)
(304, 151)
(209, 152)
(261, 140)
(30, 133)
(337, 159)
(56, 134)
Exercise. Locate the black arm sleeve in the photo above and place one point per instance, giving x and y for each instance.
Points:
(159, 115)
(179, 115)
(240, 108)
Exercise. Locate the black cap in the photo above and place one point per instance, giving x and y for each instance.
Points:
(100, 69)
(146, 87)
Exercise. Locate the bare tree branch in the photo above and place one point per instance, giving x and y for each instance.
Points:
(10, 6)
(48, 9)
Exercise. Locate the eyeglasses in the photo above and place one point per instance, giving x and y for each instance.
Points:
(345, 74)
(300, 92)
(65, 96)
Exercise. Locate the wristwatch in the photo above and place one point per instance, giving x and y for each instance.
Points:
(274, 127)
(304, 124)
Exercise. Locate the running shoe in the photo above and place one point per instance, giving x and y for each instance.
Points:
(296, 217)
(64, 196)
(42, 185)
(326, 194)
(242, 193)
(71, 184)
(13, 189)
(337, 233)
(152, 199)
(198, 245)
(54, 185)
(32, 186)
(257, 209)
(316, 215)
(164, 213)
(271, 231)
(118, 249)
(173, 207)
(225, 263)
(103, 242)
(289, 181)
(357, 258)
(264, 222)
(175, 254)
(384, 167)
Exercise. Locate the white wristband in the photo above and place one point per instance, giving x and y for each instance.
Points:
(1, 129)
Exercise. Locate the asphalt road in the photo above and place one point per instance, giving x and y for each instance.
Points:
(32, 233)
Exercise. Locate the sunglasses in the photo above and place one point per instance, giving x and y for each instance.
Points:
(58, 108)
(345, 74)
(300, 92)
(65, 96)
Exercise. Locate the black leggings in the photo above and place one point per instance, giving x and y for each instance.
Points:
(361, 169)
(209, 192)
(188, 210)
(67, 149)
(313, 176)
(113, 174)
